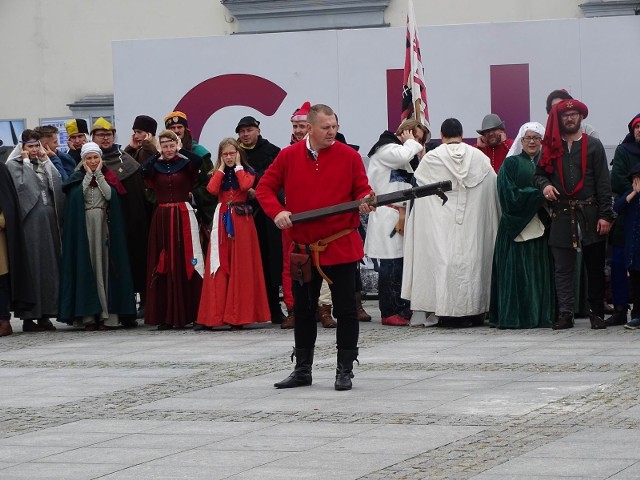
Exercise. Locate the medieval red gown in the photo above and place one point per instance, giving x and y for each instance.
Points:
(234, 294)
(174, 257)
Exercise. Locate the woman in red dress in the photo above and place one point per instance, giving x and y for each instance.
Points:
(233, 292)
(175, 265)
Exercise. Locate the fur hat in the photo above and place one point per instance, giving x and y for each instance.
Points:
(300, 115)
(145, 123)
(75, 126)
(176, 117)
(102, 124)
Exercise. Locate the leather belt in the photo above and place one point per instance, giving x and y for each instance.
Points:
(321, 246)
(571, 208)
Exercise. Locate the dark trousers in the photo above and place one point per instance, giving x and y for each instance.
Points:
(5, 314)
(634, 277)
(619, 280)
(389, 287)
(343, 294)
(565, 262)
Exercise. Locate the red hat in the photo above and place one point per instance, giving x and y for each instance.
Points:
(300, 115)
(572, 104)
(552, 142)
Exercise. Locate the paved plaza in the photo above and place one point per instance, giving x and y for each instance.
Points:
(427, 403)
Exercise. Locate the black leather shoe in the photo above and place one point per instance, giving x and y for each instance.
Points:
(597, 323)
(619, 316)
(344, 372)
(301, 375)
(564, 321)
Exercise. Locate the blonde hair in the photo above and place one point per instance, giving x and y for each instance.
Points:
(412, 124)
(228, 141)
(168, 134)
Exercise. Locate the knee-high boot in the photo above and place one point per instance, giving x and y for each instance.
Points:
(344, 372)
(301, 375)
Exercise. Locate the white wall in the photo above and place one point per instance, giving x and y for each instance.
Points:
(347, 70)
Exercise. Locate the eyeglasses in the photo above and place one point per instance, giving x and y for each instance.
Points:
(228, 154)
(532, 139)
(103, 134)
(569, 115)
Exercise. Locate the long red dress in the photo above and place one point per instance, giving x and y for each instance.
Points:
(174, 258)
(235, 293)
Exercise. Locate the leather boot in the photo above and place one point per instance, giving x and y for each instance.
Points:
(597, 323)
(619, 316)
(301, 375)
(564, 320)
(5, 328)
(290, 321)
(344, 372)
(323, 315)
(362, 315)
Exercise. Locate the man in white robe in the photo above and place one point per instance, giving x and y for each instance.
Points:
(449, 248)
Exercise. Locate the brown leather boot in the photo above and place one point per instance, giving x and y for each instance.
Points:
(362, 315)
(5, 328)
(289, 322)
(323, 315)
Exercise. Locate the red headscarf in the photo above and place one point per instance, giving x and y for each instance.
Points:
(552, 142)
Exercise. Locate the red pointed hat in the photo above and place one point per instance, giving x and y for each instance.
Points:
(552, 142)
(300, 115)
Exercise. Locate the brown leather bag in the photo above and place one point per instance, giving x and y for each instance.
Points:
(300, 267)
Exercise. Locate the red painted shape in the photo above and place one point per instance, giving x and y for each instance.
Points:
(216, 93)
(510, 95)
(395, 79)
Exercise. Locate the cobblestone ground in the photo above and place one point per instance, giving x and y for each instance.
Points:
(501, 438)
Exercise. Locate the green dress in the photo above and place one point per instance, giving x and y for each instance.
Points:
(522, 293)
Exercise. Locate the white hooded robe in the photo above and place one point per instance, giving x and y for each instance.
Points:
(448, 248)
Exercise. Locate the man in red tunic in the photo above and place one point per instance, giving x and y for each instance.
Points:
(493, 141)
(319, 172)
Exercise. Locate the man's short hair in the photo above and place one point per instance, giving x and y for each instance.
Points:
(561, 94)
(30, 135)
(451, 128)
(317, 109)
(46, 131)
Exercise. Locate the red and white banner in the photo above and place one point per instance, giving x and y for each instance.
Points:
(414, 92)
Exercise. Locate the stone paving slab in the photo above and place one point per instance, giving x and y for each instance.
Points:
(427, 403)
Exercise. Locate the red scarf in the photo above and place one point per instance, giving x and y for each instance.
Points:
(553, 151)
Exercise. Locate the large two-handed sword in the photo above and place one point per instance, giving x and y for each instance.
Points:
(437, 188)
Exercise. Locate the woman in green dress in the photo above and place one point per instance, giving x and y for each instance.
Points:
(522, 293)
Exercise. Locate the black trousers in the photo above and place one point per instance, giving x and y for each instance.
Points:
(343, 294)
(565, 262)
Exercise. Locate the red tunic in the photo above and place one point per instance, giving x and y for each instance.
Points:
(496, 154)
(172, 297)
(337, 176)
(235, 294)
